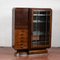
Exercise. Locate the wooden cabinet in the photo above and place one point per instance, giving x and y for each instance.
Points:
(32, 29)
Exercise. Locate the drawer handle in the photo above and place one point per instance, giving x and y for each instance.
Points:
(22, 37)
(22, 41)
(22, 31)
(21, 34)
(21, 47)
(21, 44)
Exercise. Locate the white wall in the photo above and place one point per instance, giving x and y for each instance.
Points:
(6, 18)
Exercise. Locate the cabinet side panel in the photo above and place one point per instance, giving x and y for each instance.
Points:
(13, 25)
(21, 29)
(21, 18)
(29, 27)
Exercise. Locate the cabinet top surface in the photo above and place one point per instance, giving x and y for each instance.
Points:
(34, 8)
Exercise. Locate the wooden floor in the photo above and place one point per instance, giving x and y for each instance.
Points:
(8, 54)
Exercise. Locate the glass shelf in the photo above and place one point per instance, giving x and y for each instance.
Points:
(38, 42)
(41, 12)
(38, 33)
(39, 21)
(41, 18)
(41, 15)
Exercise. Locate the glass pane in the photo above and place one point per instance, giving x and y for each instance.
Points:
(41, 18)
(40, 28)
(43, 12)
(48, 12)
(48, 19)
(43, 27)
(48, 27)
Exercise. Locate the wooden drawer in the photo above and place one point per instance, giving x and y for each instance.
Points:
(21, 46)
(21, 40)
(21, 30)
(21, 33)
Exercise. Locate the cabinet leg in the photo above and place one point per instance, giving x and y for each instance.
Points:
(17, 53)
(27, 52)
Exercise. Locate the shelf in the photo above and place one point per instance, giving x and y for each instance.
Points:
(38, 51)
(39, 46)
(38, 33)
(41, 15)
(40, 10)
(41, 18)
(38, 21)
(38, 42)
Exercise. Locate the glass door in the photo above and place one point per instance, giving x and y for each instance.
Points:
(40, 28)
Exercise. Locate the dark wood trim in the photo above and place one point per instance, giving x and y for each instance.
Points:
(29, 28)
(50, 26)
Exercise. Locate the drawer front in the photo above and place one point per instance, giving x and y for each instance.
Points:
(21, 39)
(21, 46)
(21, 33)
(23, 36)
(21, 30)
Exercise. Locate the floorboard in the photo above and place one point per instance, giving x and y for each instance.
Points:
(8, 54)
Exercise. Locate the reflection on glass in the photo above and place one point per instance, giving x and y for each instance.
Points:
(41, 27)
(38, 33)
(41, 18)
